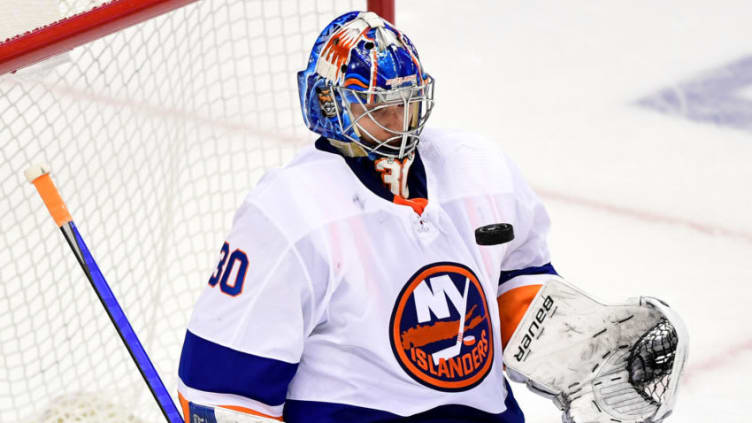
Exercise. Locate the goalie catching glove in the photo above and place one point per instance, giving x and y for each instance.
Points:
(599, 363)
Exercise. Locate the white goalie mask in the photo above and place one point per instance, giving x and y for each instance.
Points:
(362, 67)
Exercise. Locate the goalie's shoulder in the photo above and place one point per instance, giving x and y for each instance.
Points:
(300, 196)
(307, 174)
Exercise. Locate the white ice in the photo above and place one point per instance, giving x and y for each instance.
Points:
(641, 202)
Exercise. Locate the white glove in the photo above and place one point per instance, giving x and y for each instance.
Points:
(599, 363)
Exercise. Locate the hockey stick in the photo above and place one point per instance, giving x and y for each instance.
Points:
(454, 350)
(39, 176)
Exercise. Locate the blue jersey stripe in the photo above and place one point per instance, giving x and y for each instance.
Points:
(546, 269)
(322, 412)
(211, 367)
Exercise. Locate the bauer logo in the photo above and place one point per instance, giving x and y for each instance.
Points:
(440, 328)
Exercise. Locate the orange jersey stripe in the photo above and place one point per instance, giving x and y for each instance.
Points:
(249, 411)
(512, 307)
(186, 410)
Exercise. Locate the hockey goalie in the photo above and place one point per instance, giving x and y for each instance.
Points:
(354, 285)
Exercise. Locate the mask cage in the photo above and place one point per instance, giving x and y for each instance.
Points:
(417, 102)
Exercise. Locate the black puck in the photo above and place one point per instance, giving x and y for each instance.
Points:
(498, 233)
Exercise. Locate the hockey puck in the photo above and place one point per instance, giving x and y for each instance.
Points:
(498, 233)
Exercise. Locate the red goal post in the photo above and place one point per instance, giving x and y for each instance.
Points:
(157, 116)
(383, 8)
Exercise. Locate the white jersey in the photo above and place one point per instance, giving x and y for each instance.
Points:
(330, 303)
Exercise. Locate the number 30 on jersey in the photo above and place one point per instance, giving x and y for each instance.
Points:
(230, 273)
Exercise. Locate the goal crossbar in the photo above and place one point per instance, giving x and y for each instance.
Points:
(66, 34)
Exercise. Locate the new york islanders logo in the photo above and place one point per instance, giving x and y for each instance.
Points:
(440, 329)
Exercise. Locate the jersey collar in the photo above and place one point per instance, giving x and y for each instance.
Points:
(365, 169)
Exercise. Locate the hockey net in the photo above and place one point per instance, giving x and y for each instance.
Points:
(154, 134)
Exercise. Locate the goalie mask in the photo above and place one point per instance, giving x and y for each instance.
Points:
(359, 66)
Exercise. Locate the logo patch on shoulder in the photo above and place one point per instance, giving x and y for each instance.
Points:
(440, 329)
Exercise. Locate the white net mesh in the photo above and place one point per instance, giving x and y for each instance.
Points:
(86, 407)
(153, 134)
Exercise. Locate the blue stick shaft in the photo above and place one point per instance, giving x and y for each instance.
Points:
(123, 326)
